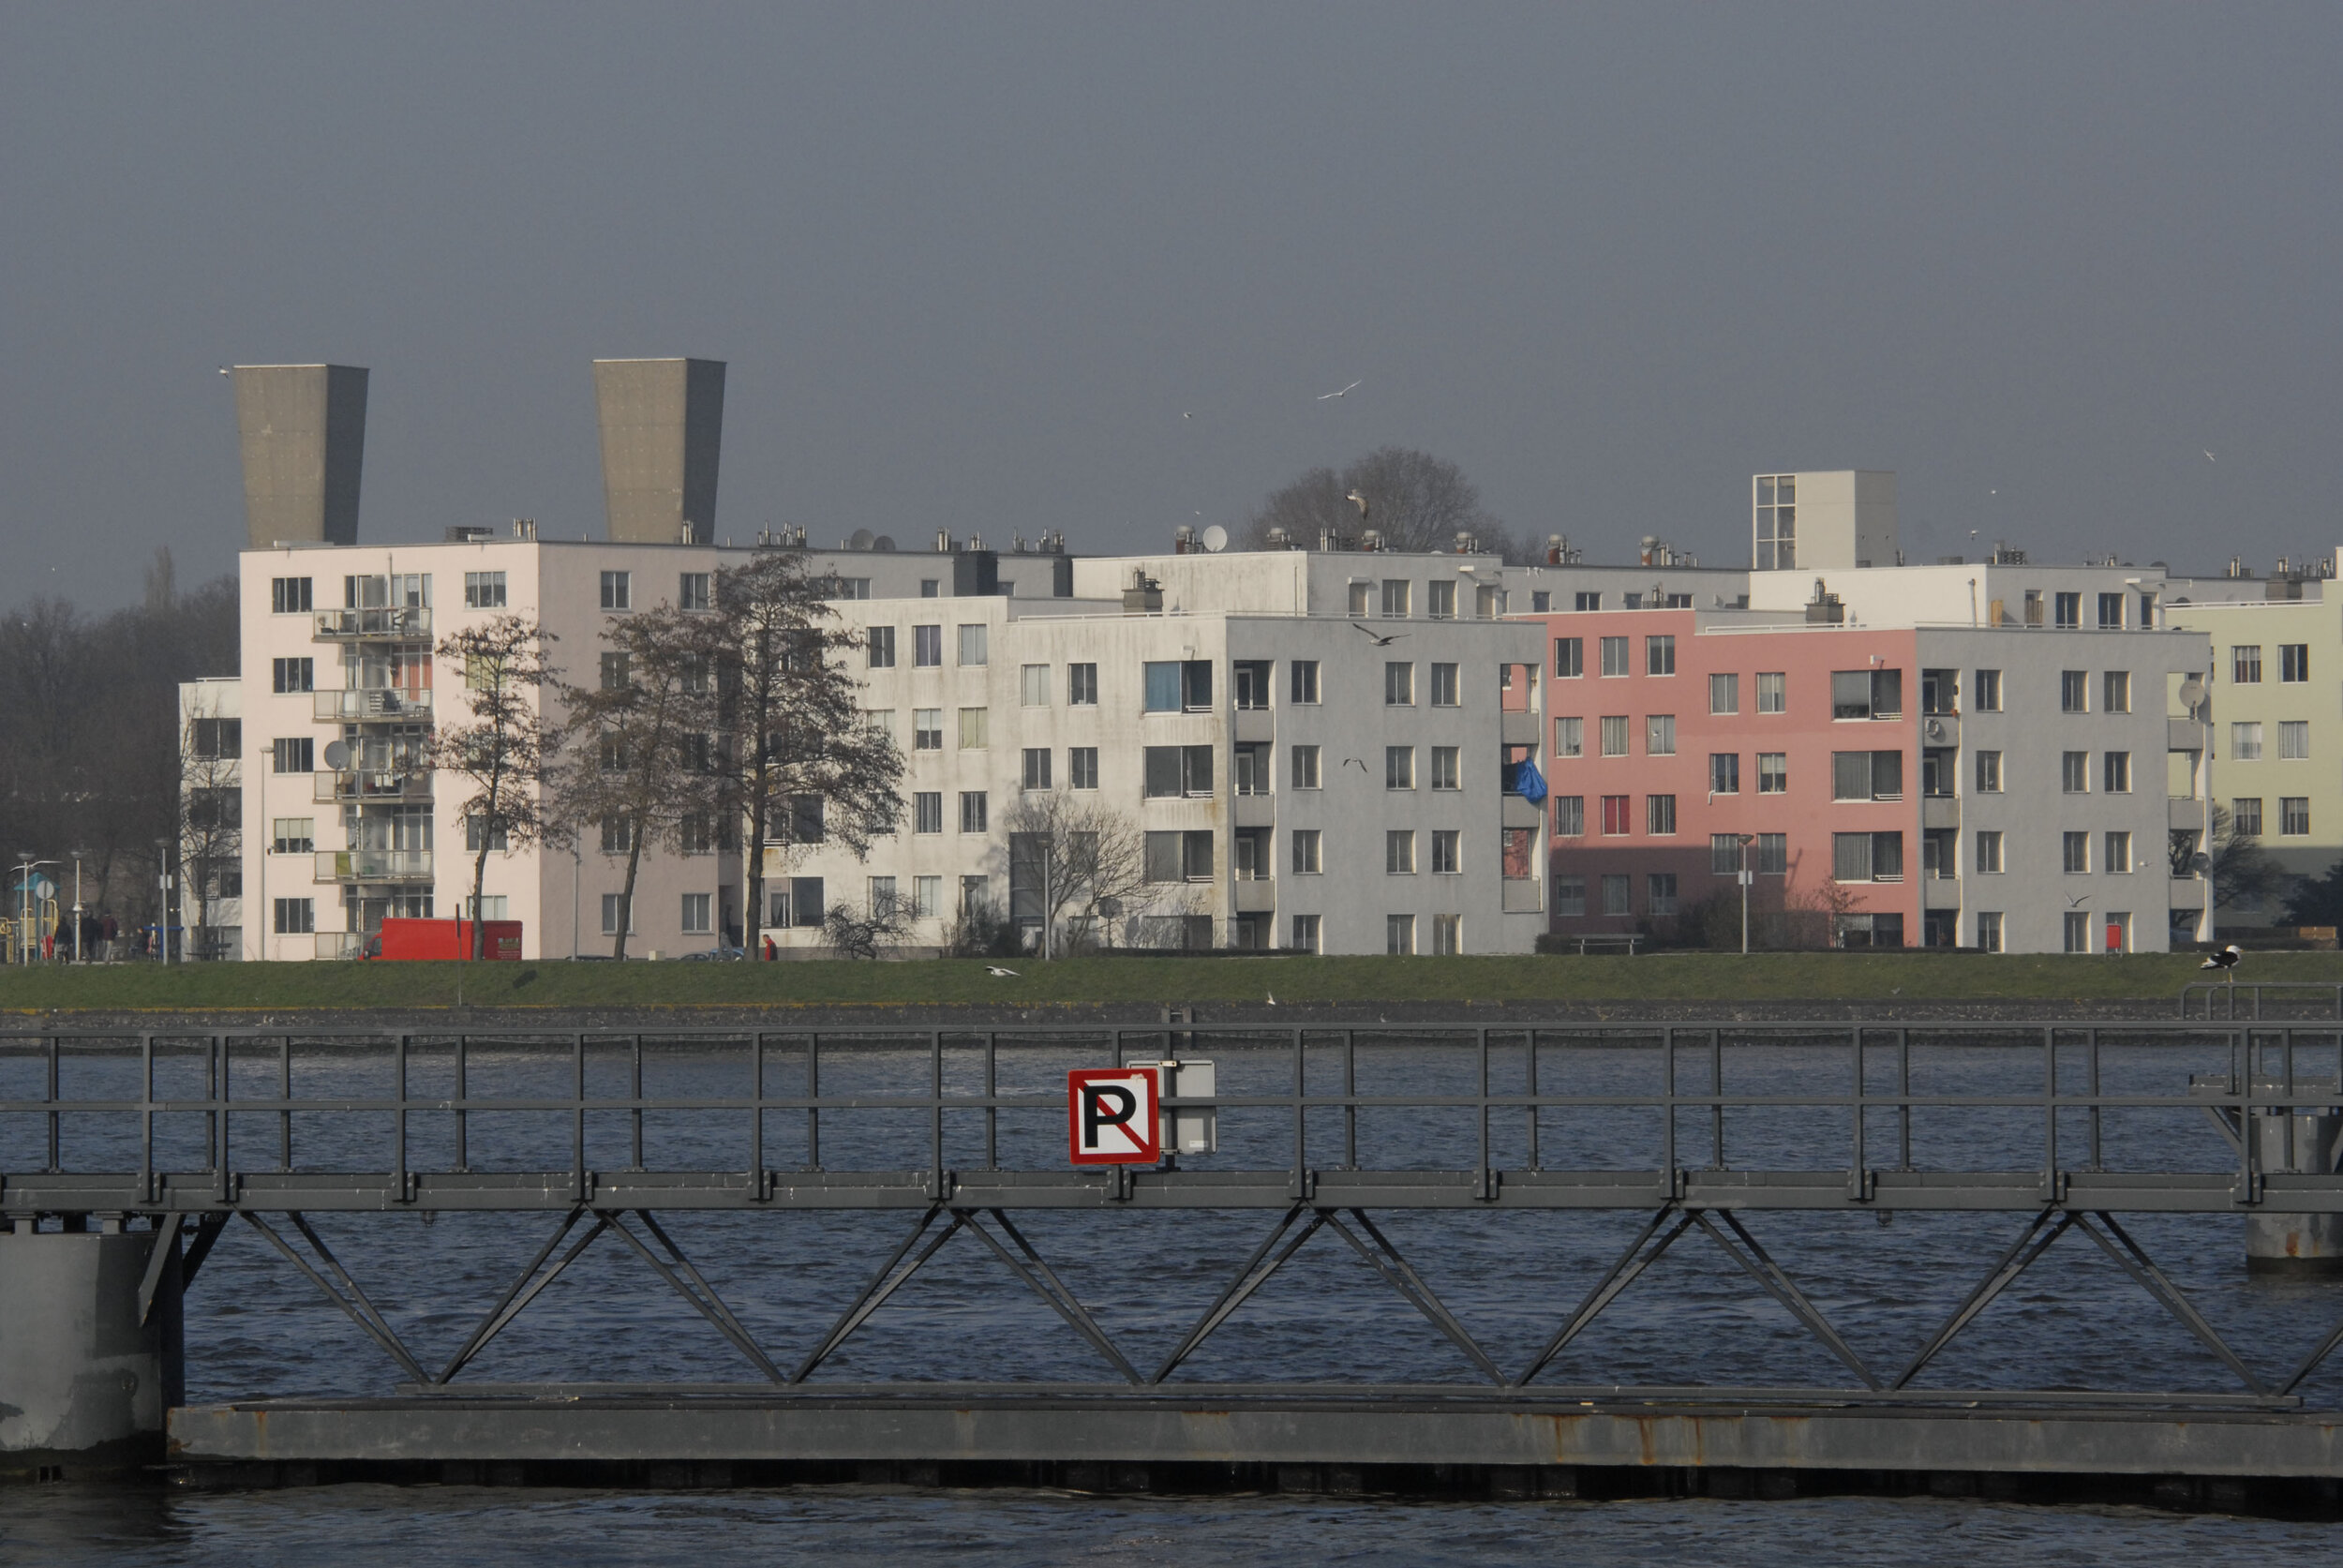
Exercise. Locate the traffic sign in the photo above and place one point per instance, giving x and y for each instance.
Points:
(1112, 1116)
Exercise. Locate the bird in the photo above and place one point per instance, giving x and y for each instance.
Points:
(1382, 640)
(1273, 998)
(2077, 901)
(2208, 457)
(998, 972)
(1185, 415)
(1358, 498)
(1349, 760)
(2225, 960)
(1344, 393)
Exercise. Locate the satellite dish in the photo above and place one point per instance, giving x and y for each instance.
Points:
(885, 544)
(337, 754)
(2192, 693)
(861, 540)
(1216, 539)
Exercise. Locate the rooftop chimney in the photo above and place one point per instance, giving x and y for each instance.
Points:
(662, 424)
(302, 428)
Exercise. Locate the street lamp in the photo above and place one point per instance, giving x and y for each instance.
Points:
(1745, 840)
(78, 857)
(163, 858)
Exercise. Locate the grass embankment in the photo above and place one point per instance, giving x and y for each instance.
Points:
(1690, 977)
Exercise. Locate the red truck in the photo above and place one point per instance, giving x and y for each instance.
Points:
(448, 939)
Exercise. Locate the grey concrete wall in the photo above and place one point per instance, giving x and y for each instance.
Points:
(80, 1374)
(661, 438)
(302, 431)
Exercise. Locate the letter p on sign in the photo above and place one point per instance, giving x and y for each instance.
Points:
(1112, 1116)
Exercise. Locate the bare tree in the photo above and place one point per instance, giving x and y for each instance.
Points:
(507, 749)
(787, 709)
(2244, 877)
(211, 822)
(1414, 500)
(1073, 854)
(634, 760)
(848, 935)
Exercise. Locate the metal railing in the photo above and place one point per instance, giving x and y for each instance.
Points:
(371, 703)
(394, 622)
(355, 785)
(2230, 1002)
(373, 865)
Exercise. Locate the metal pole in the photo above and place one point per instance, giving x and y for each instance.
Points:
(77, 906)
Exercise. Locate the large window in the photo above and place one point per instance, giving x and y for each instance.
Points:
(295, 753)
(1867, 775)
(483, 591)
(1179, 856)
(1771, 854)
(1174, 772)
(1398, 934)
(290, 595)
(293, 675)
(294, 835)
(1867, 857)
(1304, 934)
(2069, 608)
(295, 917)
(2076, 853)
(2117, 848)
(1036, 767)
(1440, 602)
(1179, 686)
(1570, 657)
(1249, 684)
(1395, 598)
(1867, 693)
(1774, 515)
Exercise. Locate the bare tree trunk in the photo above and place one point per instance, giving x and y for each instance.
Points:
(626, 899)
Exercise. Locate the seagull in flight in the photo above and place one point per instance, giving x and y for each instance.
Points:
(998, 972)
(2077, 901)
(1358, 498)
(1380, 640)
(1349, 760)
(2208, 457)
(1344, 393)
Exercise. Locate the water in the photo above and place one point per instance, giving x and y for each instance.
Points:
(254, 1327)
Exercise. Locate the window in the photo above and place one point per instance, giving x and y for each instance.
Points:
(1659, 655)
(1774, 522)
(2076, 927)
(1304, 774)
(2293, 816)
(1570, 658)
(1867, 857)
(1586, 601)
(1771, 854)
(2293, 662)
(1443, 685)
(1570, 895)
(1178, 686)
(1570, 816)
(291, 595)
(2069, 608)
(1395, 599)
(2074, 772)
(1724, 694)
(1304, 934)
(1448, 930)
(927, 897)
(295, 753)
(1615, 895)
(2245, 665)
(1032, 686)
(1660, 893)
(2115, 692)
(1398, 934)
(294, 835)
(2118, 849)
(2116, 773)
(881, 645)
(1570, 737)
(976, 894)
(1398, 767)
(1179, 856)
(1440, 600)
(972, 811)
(1359, 593)
(1989, 853)
(1614, 656)
(2074, 692)
(1082, 685)
(618, 834)
(1444, 767)
(293, 675)
(695, 914)
(1660, 815)
(1773, 773)
(614, 672)
(613, 914)
(2077, 853)
(1867, 775)
(2293, 739)
(691, 594)
(218, 739)
(2246, 815)
(1036, 767)
(1618, 816)
(617, 591)
(2111, 612)
(975, 728)
(1173, 772)
(1989, 772)
(927, 811)
(1444, 851)
(1772, 691)
(974, 649)
(1615, 735)
(295, 917)
(926, 647)
(1659, 735)
(927, 729)
(1081, 767)
(1398, 685)
(930, 587)
(859, 587)
(1940, 691)
(1307, 843)
(476, 829)
(1724, 854)
(1305, 686)
(1249, 684)
(1988, 930)
(1867, 693)
(483, 591)
(1724, 772)
(2245, 742)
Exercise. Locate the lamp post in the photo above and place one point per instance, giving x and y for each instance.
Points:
(163, 858)
(77, 855)
(1745, 840)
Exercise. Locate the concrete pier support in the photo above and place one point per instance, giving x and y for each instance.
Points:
(91, 1349)
(2304, 1142)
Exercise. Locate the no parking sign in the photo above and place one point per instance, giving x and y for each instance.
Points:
(1112, 1116)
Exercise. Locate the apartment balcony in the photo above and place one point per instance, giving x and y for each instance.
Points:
(1520, 812)
(2184, 892)
(350, 787)
(2182, 811)
(1253, 895)
(338, 944)
(402, 623)
(1939, 813)
(373, 865)
(1939, 892)
(375, 707)
(1518, 730)
(1522, 895)
(2183, 735)
(1940, 729)
(1253, 810)
(1252, 726)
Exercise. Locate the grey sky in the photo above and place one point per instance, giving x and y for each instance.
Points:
(971, 265)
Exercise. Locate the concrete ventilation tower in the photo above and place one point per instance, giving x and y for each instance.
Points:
(303, 432)
(662, 424)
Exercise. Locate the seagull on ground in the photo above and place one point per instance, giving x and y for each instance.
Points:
(1344, 393)
(998, 972)
(1382, 640)
(2225, 960)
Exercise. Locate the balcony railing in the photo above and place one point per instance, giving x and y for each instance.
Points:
(374, 865)
(352, 785)
(360, 707)
(397, 622)
(338, 944)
